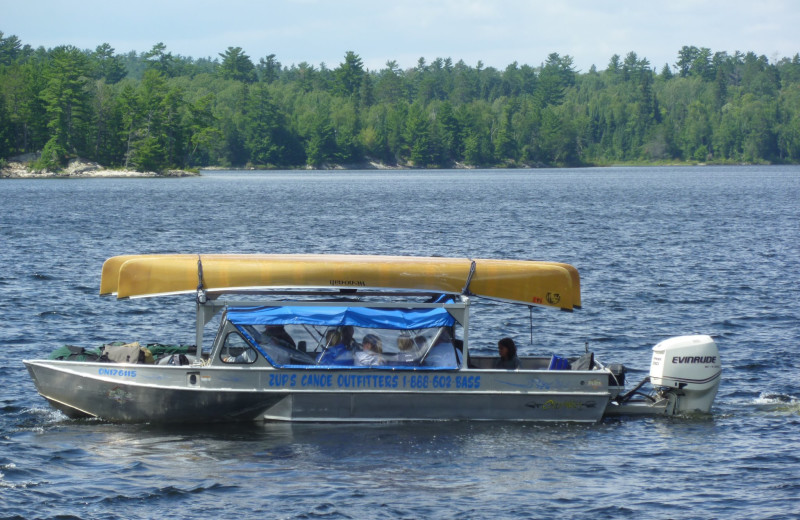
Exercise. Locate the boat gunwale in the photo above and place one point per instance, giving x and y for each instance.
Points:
(56, 364)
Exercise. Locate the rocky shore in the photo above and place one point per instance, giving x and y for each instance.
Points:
(19, 168)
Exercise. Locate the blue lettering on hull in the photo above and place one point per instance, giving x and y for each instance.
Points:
(116, 372)
(374, 381)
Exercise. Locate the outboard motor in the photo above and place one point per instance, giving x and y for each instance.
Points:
(688, 369)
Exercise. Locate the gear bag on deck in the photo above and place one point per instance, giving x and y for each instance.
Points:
(127, 353)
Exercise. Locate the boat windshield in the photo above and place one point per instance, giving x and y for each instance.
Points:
(350, 336)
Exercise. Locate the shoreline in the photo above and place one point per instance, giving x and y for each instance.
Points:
(78, 169)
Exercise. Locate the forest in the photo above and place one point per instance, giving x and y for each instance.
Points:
(154, 110)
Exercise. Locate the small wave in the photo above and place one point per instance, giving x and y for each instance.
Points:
(16, 485)
(753, 366)
(49, 314)
(134, 467)
(37, 419)
(770, 398)
(731, 324)
(41, 277)
(138, 312)
(780, 403)
(10, 408)
(167, 492)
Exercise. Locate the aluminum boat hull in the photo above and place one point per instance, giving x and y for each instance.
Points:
(184, 394)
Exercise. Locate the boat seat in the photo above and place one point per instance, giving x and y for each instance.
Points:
(558, 363)
(585, 362)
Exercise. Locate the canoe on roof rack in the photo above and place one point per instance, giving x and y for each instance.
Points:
(526, 282)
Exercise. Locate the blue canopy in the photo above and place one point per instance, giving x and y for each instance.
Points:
(398, 319)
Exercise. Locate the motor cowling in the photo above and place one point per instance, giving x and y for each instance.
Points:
(688, 367)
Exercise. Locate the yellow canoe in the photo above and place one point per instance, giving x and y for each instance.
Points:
(520, 281)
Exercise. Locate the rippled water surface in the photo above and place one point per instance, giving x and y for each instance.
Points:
(662, 252)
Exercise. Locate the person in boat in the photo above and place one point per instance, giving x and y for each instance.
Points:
(371, 352)
(347, 337)
(442, 353)
(508, 355)
(406, 350)
(332, 338)
(247, 356)
(277, 335)
(335, 351)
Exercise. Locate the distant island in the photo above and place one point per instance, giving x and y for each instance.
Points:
(155, 113)
(22, 168)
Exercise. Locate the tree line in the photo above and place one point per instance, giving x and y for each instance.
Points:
(155, 110)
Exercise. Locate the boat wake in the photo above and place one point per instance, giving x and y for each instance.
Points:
(783, 403)
(40, 418)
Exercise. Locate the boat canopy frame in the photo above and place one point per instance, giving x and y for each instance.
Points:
(456, 305)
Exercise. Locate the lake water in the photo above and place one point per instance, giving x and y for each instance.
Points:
(662, 252)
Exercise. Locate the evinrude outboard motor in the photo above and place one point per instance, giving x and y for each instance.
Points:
(687, 369)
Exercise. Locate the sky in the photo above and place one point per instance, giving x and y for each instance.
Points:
(495, 32)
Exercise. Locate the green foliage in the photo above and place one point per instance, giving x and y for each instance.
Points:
(205, 139)
(155, 110)
(9, 49)
(236, 65)
(316, 128)
(65, 98)
(269, 68)
(263, 128)
(5, 130)
(53, 158)
(555, 77)
(418, 137)
(107, 65)
(349, 75)
(159, 60)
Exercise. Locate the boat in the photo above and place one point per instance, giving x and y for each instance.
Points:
(351, 338)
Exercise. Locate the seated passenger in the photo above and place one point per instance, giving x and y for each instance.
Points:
(508, 355)
(332, 338)
(371, 352)
(247, 356)
(335, 351)
(277, 335)
(347, 336)
(406, 351)
(442, 353)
